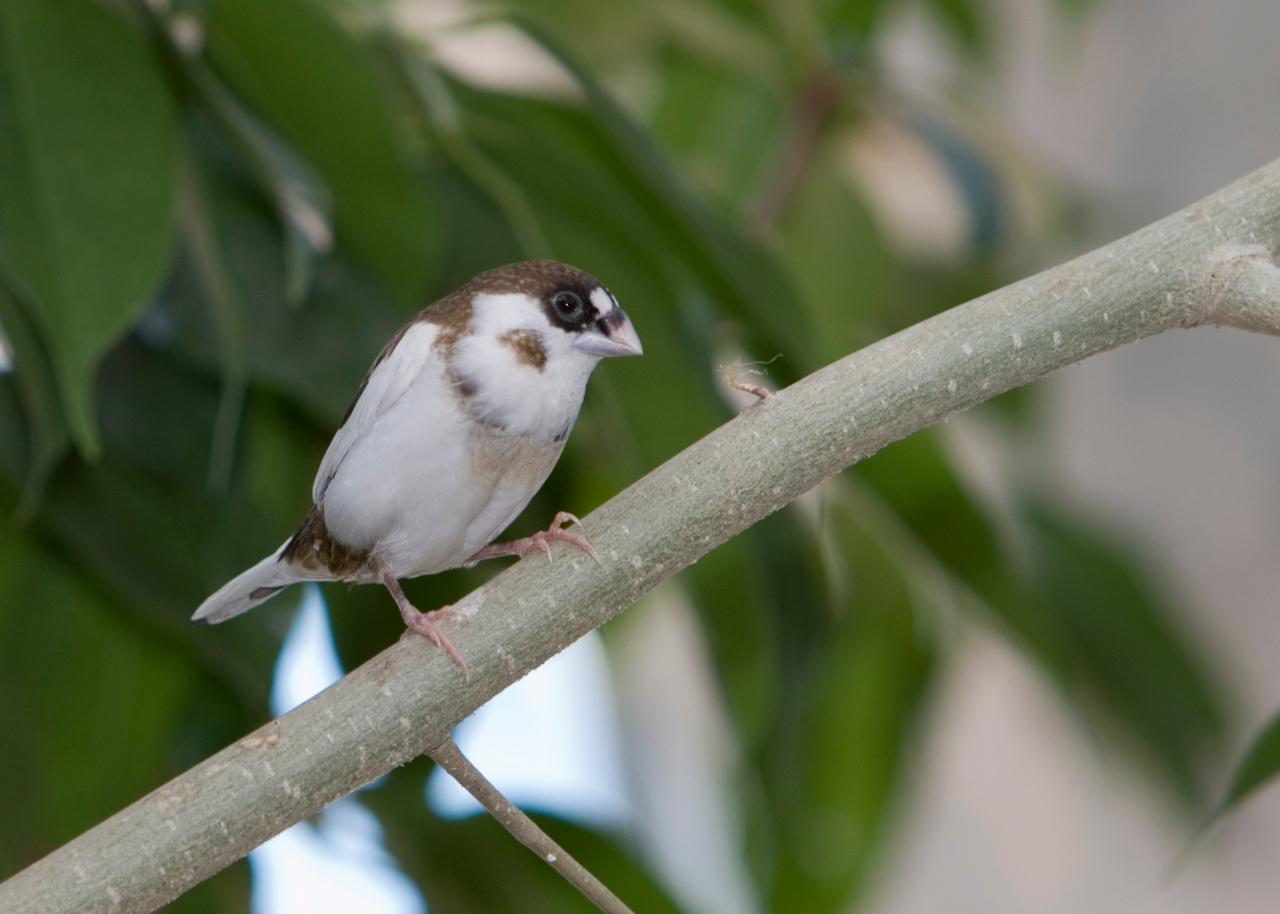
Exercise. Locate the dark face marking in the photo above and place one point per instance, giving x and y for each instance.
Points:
(570, 308)
(611, 321)
(563, 291)
(527, 346)
(539, 279)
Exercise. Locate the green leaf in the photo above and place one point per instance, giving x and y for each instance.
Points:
(1260, 764)
(733, 268)
(227, 309)
(964, 22)
(1075, 9)
(439, 116)
(724, 153)
(286, 344)
(454, 861)
(301, 200)
(856, 17)
(141, 525)
(39, 391)
(78, 685)
(96, 713)
(840, 754)
(87, 175)
(844, 267)
(1083, 609)
(1127, 647)
(314, 86)
(920, 487)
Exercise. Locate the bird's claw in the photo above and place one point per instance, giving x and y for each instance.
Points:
(428, 626)
(555, 532)
(541, 541)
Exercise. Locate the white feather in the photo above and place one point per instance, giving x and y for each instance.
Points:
(604, 301)
(540, 403)
(401, 485)
(251, 587)
(423, 484)
(387, 383)
(422, 475)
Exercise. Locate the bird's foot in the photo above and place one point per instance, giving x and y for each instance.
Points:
(428, 626)
(540, 541)
(425, 624)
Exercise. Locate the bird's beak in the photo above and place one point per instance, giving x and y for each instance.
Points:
(613, 335)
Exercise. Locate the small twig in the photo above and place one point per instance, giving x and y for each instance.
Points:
(729, 375)
(449, 757)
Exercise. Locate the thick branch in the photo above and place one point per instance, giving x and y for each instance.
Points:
(1190, 269)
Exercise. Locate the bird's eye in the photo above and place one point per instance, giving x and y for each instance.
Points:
(568, 304)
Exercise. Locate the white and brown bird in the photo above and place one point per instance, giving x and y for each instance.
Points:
(455, 427)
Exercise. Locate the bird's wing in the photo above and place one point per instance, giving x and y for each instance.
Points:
(392, 374)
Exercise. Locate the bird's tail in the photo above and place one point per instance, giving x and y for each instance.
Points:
(245, 591)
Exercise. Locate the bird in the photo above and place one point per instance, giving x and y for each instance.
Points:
(454, 428)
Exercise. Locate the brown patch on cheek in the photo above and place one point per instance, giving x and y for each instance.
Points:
(527, 346)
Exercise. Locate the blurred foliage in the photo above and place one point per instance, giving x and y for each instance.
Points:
(456, 860)
(1260, 765)
(213, 215)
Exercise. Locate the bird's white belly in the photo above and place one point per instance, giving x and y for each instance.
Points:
(427, 487)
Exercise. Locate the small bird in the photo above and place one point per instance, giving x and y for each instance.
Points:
(455, 427)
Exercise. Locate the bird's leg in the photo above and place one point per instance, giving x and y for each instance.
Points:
(425, 624)
(539, 541)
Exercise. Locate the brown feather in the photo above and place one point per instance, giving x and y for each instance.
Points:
(312, 546)
(527, 345)
(452, 313)
(315, 549)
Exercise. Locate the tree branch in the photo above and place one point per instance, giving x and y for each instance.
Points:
(449, 757)
(1212, 263)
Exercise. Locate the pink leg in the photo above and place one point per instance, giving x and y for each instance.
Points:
(425, 624)
(539, 541)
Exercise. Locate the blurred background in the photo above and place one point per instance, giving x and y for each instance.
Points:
(1009, 664)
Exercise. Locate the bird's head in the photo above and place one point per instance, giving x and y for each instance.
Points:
(528, 336)
(567, 307)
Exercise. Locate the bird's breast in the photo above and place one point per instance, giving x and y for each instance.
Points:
(511, 469)
(526, 398)
(436, 478)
